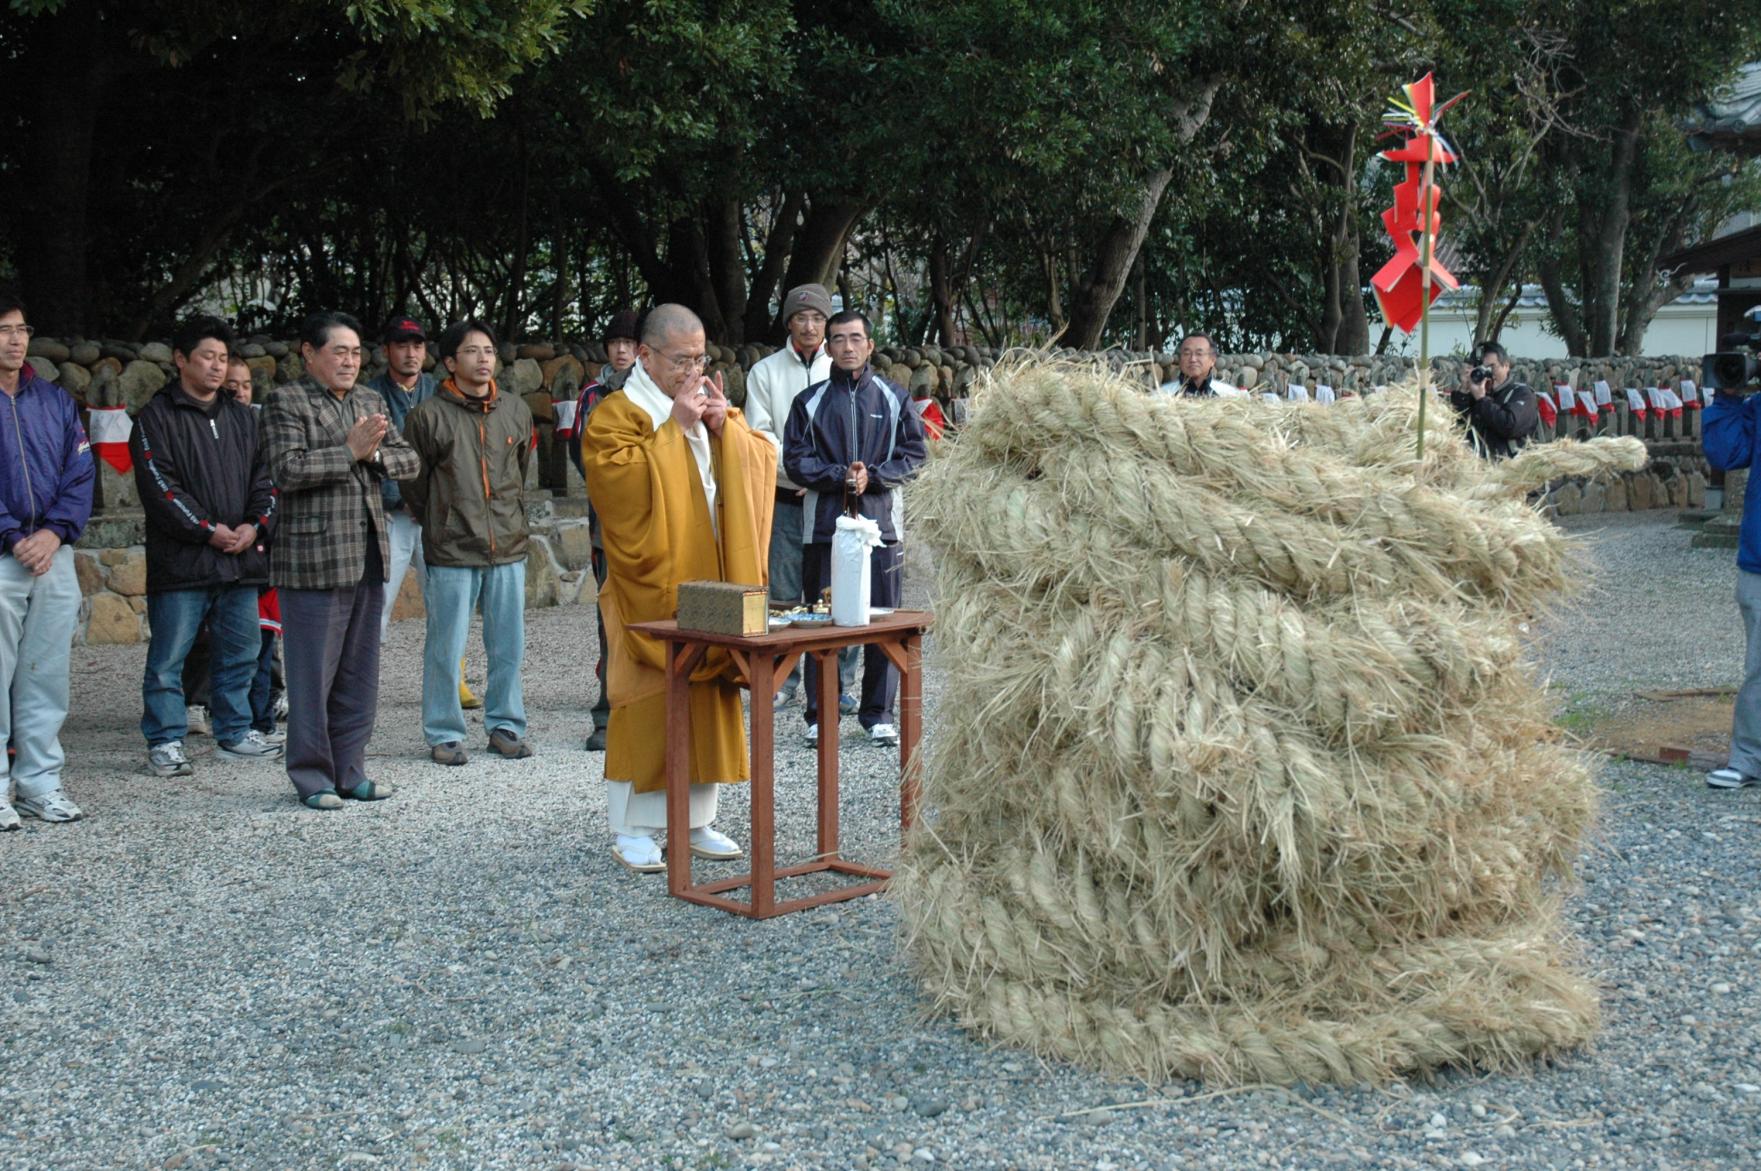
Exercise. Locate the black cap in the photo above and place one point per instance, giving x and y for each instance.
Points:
(403, 329)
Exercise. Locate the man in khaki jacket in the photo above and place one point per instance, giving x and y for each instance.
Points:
(475, 443)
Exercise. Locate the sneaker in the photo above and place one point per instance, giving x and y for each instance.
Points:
(468, 699)
(250, 746)
(281, 708)
(196, 716)
(709, 843)
(322, 800)
(8, 817)
(847, 704)
(271, 736)
(883, 734)
(168, 760)
(811, 738)
(51, 806)
(503, 742)
(452, 752)
(1730, 778)
(787, 696)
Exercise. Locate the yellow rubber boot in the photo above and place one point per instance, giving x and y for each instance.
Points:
(466, 699)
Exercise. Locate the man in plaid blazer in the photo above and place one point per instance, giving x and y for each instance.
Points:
(330, 446)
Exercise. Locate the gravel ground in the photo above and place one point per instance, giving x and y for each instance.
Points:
(202, 974)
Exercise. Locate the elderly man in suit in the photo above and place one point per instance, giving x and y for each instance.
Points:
(330, 447)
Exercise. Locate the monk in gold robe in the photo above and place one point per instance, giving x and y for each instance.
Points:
(684, 489)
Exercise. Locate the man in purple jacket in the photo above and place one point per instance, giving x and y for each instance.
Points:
(46, 477)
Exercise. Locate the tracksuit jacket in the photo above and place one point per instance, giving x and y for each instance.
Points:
(841, 421)
(46, 469)
(1728, 435)
(198, 466)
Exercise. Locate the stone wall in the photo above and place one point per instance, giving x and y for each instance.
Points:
(111, 559)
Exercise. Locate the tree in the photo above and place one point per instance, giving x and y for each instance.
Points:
(83, 66)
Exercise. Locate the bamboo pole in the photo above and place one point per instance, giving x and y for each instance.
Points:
(1428, 225)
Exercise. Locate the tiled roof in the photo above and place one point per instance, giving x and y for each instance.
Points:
(1731, 120)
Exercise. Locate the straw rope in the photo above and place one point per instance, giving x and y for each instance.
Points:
(1241, 773)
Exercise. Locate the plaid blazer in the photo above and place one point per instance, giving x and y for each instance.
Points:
(330, 501)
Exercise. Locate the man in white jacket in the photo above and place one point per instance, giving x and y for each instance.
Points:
(1198, 362)
(771, 388)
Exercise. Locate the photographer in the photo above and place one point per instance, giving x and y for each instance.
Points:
(1500, 411)
(1729, 443)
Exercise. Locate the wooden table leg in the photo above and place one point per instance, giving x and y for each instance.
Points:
(910, 727)
(761, 668)
(830, 719)
(681, 658)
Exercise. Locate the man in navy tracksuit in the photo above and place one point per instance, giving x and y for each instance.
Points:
(851, 441)
(46, 475)
(1730, 430)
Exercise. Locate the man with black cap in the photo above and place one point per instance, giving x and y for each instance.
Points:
(403, 386)
(771, 388)
(621, 344)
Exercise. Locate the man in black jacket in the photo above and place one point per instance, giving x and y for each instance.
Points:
(1500, 411)
(851, 441)
(204, 485)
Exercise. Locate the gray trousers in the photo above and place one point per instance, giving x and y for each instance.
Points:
(1745, 728)
(330, 640)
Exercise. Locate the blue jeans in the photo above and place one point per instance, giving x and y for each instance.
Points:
(786, 559)
(263, 685)
(38, 616)
(175, 617)
(451, 593)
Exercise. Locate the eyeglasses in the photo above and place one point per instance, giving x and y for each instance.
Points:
(1195, 353)
(684, 361)
(17, 330)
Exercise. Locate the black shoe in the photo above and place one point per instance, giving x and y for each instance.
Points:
(596, 742)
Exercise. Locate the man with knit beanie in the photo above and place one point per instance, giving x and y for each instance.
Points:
(771, 388)
(621, 343)
(475, 444)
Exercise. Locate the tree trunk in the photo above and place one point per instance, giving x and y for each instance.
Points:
(1094, 296)
(777, 246)
(941, 292)
(722, 230)
(819, 245)
(69, 66)
(1602, 229)
(1566, 322)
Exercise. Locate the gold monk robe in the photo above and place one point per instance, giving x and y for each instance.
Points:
(646, 485)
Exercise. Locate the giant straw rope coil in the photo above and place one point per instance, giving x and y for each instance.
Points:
(1241, 773)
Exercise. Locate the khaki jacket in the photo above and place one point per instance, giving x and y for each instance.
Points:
(469, 496)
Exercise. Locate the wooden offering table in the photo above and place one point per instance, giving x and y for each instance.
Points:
(765, 660)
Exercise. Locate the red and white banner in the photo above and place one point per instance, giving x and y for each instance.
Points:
(1324, 394)
(109, 429)
(565, 417)
(1672, 402)
(1636, 401)
(1691, 395)
(1297, 392)
(1568, 400)
(1604, 397)
(1549, 412)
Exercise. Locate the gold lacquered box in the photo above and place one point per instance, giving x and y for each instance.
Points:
(723, 607)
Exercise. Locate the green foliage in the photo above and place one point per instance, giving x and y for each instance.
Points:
(957, 167)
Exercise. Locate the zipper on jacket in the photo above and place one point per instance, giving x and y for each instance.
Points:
(24, 462)
(488, 496)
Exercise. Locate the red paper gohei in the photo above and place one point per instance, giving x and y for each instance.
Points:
(1399, 284)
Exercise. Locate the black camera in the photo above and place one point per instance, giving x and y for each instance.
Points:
(1734, 366)
(1480, 374)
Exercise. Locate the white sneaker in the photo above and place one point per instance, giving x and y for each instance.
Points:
(281, 708)
(251, 746)
(272, 737)
(168, 760)
(708, 843)
(196, 716)
(51, 806)
(883, 734)
(640, 853)
(812, 736)
(1730, 778)
(8, 817)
